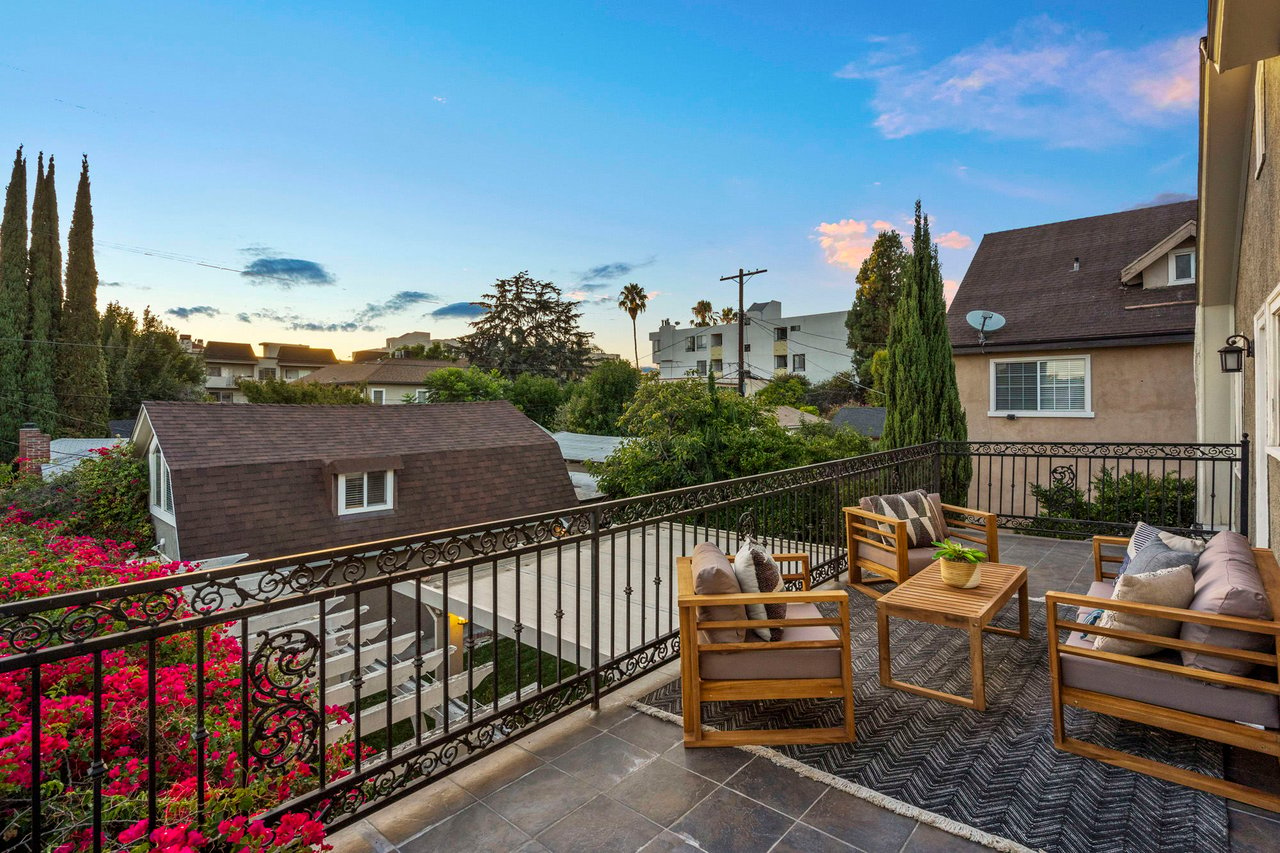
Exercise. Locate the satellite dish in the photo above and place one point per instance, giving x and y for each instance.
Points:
(984, 321)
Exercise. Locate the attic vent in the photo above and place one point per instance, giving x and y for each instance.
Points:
(1075, 265)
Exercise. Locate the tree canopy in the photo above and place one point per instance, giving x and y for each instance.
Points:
(689, 432)
(539, 397)
(879, 283)
(595, 404)
(280, 391)
(145, 361)
(14, 304)
(528, 327)
(465, 385)
(633, 300)
(436, 352)
(923, 400)
(786, 389)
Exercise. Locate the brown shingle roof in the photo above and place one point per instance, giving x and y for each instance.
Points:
(225, 351)
(294, 354)
(1026, 275)
(398, 371)
(260, 478)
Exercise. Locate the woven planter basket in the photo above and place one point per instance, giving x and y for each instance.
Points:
(961, 573)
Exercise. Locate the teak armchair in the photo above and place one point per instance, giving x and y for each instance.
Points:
(886, 553)
(1083, 677)
(738, 660)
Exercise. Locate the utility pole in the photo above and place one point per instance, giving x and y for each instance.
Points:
(741, 279)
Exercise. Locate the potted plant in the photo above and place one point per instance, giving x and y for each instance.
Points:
(961, 566)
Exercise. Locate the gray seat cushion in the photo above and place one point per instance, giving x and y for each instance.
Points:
(917, 558)
(1161, 688)
(772, 662)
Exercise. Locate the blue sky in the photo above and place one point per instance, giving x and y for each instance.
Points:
(334, 173)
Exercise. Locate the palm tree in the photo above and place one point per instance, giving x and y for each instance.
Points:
(702, 313)
(727, 316)
(633, 300)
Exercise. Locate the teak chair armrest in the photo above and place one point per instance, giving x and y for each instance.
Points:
(1100, 557)
(896, 535)
(964, 510)
(1176, 643)
(1238, 623)
(802, 575)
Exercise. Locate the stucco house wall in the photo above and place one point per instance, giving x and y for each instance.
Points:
(1259, 274)
(1139, 393)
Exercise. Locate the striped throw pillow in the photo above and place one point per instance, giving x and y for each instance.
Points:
(913, 508)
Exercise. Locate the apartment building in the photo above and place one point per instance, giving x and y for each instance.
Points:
(227, 361)
(811, 345)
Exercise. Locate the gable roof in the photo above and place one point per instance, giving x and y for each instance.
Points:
(304, 355)
(789, 417)
(392, 371)
(868, 420)
(228, 351)
(261, 478)
(1182, 233)
(1026, 275)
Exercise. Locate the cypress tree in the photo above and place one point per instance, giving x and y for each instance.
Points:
(82, 372)
(13, 306)
(923, 398)
(44, 280)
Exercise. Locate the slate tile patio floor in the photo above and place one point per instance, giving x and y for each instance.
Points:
(617, 780)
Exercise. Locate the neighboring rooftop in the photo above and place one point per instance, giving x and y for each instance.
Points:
(390, 371)
(581, 447)
(868, 420)
(67, 453)
(1028, 276)
(789, 417)
(304, 355)
(228, 351)
(259, 478)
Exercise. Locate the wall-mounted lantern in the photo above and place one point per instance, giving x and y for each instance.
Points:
(1232, 355)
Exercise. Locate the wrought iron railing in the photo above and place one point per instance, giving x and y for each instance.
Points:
(1081, 489)
(360, 674)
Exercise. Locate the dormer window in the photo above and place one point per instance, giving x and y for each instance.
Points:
(1182, 267)
(367, 491)
(161, 483)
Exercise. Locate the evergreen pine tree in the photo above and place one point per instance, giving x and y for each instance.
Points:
(82, 373)
(13, 306)
(923, 399)
(879, 281)
(44, 289)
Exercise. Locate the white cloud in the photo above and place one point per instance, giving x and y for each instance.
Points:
(1041, 80)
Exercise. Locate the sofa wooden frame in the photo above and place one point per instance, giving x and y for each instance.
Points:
(1266, 741)
(862, 527)
(695, 690)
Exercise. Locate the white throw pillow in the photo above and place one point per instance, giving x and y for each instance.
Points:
(1172, 587)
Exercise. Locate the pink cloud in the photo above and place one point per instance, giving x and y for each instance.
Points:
(955, 240)
(847, 243)
(949, 288)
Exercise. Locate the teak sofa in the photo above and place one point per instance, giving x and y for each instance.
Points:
(886, 552)
(811, 660)
(1159, 691)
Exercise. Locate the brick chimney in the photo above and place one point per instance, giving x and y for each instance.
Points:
(33, 448)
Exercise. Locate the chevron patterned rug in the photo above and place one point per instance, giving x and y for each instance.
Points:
(993, 777)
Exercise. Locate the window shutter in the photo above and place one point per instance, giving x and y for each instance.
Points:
(377, 488)
(353, 491)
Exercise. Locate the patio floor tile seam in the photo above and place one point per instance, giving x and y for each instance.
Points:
(661, 829)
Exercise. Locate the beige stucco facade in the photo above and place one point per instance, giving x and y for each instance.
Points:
(1138, 394)
(1257, 282)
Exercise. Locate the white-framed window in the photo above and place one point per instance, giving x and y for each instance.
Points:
(368, 491)
(780, 334)
(689, 343)
(795, 328)
(1057, 387)
(746, 347)
(224, 397)
(780, 362)
(292, 373)
(266, 373)
(717, 339)
(378, 396)
(1182, 266)
(717, 366)
(213, 370)
(702, 368)
(422, 395)
(702, 341)
(161, 483)
(797, 363)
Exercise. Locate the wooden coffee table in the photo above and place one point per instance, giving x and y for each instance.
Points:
(925, 598)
